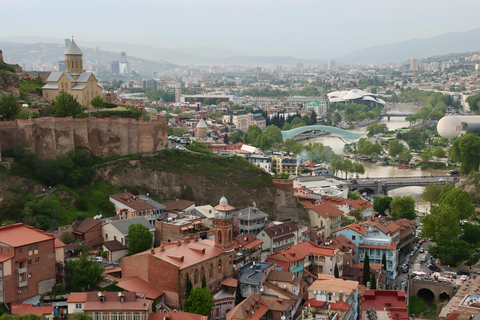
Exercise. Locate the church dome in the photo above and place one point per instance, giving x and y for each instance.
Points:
(202, 124)
(223, 201)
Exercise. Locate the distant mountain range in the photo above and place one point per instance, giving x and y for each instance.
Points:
(452, 42)
(150, 57)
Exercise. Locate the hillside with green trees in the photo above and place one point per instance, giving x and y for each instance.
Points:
(81, 183)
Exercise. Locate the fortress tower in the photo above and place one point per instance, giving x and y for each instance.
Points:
(224, 225)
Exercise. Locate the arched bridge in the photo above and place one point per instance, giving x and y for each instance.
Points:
(418, 287)
(383, 185)
(342, 133)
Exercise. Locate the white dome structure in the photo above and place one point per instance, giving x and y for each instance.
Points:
(353, 96)
(449, 127)
(223, 201)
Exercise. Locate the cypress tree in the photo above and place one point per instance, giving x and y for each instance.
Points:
(188, 286)
(335, 271)
(366, 270)
(373, 282)
(204, 281)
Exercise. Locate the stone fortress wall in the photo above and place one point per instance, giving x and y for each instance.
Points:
(53, 137)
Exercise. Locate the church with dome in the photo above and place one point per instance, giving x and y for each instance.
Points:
(80, 84)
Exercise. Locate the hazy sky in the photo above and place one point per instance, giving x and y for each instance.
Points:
(301, 28)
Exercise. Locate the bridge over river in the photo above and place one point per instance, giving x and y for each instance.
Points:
(383, 185)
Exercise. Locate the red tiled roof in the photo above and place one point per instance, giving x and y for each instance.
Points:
(136, 284)
(5, 257)
(284, 264)
(17, 235)
(354, 227)
(314, 303)
(58, 243)
(75, 297)
(302, 250)
(112, 302)
(253, 244)
(281, 229)
(340, 305)
(130, 200)
(86, 225)
(178, 205)
(177, 316)
(31, 309)
(325, 209)
(230, 282)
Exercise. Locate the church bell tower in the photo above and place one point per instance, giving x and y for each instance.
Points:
(224, 225)
(73, 59)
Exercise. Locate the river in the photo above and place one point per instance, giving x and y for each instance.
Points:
(374, 171)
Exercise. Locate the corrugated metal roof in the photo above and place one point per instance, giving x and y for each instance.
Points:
(54, 76)
(79, 87)
(50, 86)
(124, 224)
(83, 77)
(73, 49)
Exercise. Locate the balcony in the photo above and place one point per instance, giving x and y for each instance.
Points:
(22, 284)
(21, 270)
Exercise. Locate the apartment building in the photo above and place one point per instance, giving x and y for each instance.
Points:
(27, 262)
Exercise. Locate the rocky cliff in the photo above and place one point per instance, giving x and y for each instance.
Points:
(175, 175)
(9, 82)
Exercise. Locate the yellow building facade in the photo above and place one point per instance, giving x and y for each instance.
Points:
(80, 84)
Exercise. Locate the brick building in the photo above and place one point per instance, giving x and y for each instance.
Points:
(127, 206)
(27, 261)
(279, 236)
(166, 267)
(87, 232)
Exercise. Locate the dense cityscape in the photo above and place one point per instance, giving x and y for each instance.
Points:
(194, 184)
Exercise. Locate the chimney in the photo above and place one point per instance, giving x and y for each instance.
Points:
(179, 243)
(162, 248)
(152, 251)
(186, 240)
(196, 238)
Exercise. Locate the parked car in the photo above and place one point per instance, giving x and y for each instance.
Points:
(434, 268)
(424, 258)
(421, 250)
(442, 180)
(463, 273)
(405, 270)
(181, 148)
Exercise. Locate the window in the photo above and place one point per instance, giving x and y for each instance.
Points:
(78, 306)
(20, 250)
(202, 273)
(97, 316)
(37, 260)
(29, 248)
(106, 236)
(121, 316)
(136, 316)
(210, 272)
(25, 289)
(35, 247)
(29, 261)
(353, 237)
(195, 277)
(113, 316)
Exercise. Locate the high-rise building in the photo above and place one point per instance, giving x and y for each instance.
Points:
(61, 65)
(149, 83)
(67, 43)
(178, 92)
(414, 65)
(332, 64)
(115, 67)
(124, 65)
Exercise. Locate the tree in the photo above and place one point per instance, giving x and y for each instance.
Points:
(139, 238)
(373, 282)
(381, 204)
(85, 273)
(439, 152)
(441, 224)
(366, 270)
(376, 128)
(98, 103)
(426, 156)
(466, 150)
(188, 286)
(394, 148)
(459, 200)
(204, 281)
(403, 207)
(9, 107)
(206, 102)
(336, 272)
(236, 136)
(384, 261)
(253, 132)
(200, 301)
(471, 233)
(66, 237)
(452, 252)
(354, 195)
(404, 156)
(66, 105)
(432, 193)
(336, 118)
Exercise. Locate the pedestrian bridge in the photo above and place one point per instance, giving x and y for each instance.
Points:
(439, 290)
(342, 133)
